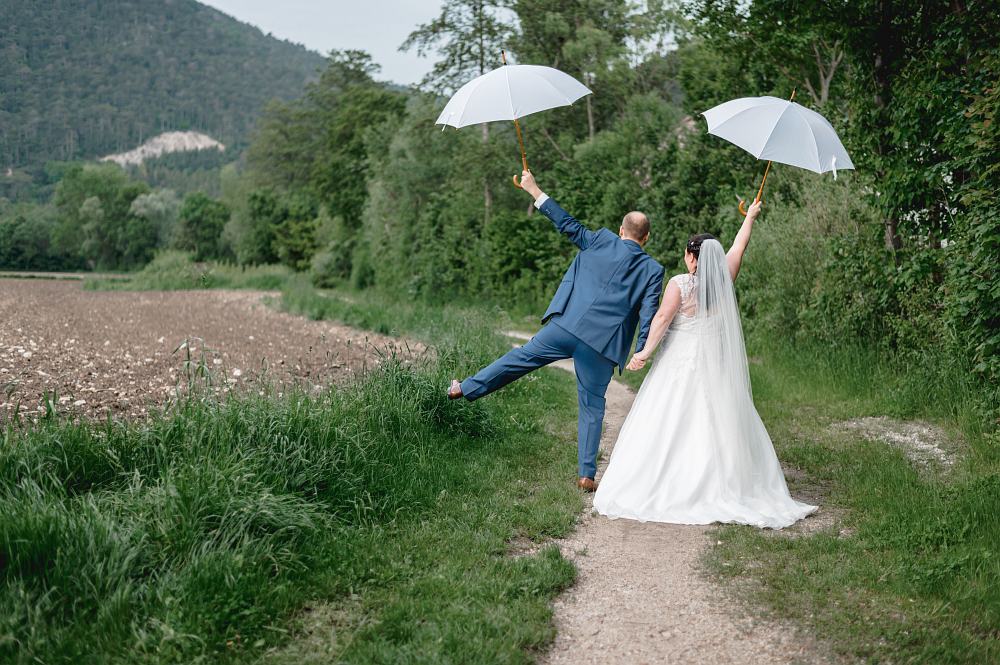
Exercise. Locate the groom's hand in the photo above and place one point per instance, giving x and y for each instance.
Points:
(528, 184)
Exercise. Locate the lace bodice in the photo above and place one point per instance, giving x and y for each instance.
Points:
(688, 285)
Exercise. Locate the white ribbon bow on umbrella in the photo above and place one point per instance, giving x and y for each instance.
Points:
(508, 93)
(779, 130)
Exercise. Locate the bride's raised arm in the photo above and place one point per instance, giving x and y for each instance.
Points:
(734, 257)
(664, 315)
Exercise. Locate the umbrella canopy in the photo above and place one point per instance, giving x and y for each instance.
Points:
(780, 130)
(510, 92)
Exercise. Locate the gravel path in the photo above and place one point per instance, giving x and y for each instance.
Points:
(640, 596)
(113, 352)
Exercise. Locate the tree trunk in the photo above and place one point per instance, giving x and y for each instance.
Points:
(487, 192)
(590, 118)
(886, 52)
(480, 14)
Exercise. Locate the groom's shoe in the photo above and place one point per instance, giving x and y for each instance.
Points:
(455, 391)
(587, 484)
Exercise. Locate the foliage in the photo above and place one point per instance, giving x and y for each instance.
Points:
(187, 172)
(84, 79)
(278, 228)
(161, 209)
(199, 227)
(27, 240)
(316, 146)
(912, 89)
(468, 35)
(173, 270)
(972, 285)
(95, 215)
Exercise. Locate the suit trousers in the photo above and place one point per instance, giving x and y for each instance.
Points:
(593, 374)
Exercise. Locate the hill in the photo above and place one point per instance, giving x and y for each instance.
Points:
(84, 78)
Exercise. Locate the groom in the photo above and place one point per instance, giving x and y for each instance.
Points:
(610, 287)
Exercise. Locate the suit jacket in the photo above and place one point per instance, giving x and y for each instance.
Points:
(611, 286)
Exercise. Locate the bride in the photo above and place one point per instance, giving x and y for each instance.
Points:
(693, 449)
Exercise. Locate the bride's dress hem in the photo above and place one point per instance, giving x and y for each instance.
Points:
(615, 513)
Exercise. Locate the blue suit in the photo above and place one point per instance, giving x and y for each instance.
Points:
(611, 287)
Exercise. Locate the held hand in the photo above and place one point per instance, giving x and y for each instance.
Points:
(528, 184)
(754, 210)
(638, 362)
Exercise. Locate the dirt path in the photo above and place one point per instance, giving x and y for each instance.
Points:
(113, 352)
(640, 597)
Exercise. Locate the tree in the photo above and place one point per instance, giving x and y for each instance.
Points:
(94, 204)
(469, 35)
(254, 239)
(295, 238)
(160, 208)
(317, 145)
(26, 232)
(200, 225)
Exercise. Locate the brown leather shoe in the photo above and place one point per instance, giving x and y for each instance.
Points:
(455, 391)
(587, 484)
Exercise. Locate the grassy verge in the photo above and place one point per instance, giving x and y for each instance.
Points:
(200, 535)
(173, 271)
(910, 569)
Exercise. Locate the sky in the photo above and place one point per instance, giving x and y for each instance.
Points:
(376, 26)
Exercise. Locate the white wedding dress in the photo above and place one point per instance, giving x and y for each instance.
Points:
(693, 449)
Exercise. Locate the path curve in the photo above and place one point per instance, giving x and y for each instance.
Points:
(640, 597)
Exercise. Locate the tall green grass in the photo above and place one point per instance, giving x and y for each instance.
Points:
(910, 569)
(172, 271)
(200, 534)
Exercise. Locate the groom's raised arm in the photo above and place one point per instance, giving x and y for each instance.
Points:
(564, 222)
(648, 308)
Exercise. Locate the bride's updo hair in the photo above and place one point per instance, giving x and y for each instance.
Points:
(694, 242)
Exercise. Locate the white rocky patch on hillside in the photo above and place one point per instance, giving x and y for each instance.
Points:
(163, 144)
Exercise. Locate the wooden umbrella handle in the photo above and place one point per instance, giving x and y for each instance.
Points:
(760, 192)
(524, 157)
(520, 140)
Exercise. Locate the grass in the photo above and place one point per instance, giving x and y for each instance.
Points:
(910, 570)
(387, 511)
(201, 534)
(173, 270)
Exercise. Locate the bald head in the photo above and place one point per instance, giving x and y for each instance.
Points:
(635, 226)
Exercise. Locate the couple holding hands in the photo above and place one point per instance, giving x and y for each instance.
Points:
(693, 449)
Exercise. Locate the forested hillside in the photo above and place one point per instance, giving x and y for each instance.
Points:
(84, 78)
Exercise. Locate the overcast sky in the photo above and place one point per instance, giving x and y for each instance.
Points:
(376, 26)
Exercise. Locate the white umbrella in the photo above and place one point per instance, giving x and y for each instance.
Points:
(508, 93)
(779, 130)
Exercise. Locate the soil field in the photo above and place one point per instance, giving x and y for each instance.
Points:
(100, 353)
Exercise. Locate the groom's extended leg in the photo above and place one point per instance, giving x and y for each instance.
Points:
(551, 343)
(593, 374)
